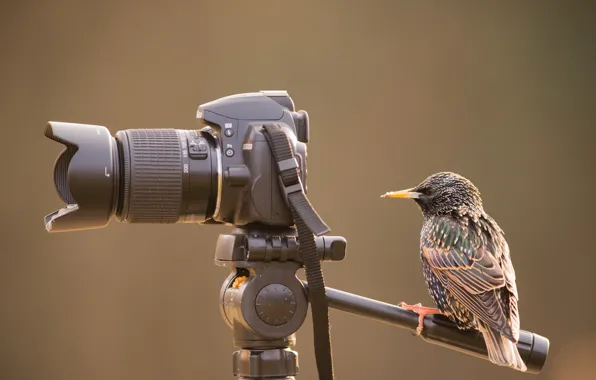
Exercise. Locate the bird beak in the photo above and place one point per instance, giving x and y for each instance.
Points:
(408, 193)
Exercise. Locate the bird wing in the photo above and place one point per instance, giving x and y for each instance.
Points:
(467, 269)
(513, 297)
(498, 245)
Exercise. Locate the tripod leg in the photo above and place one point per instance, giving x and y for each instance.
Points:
(422, 311)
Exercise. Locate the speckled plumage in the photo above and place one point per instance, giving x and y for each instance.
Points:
(467, 266)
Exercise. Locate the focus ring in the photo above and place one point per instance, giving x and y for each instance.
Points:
(154, 169)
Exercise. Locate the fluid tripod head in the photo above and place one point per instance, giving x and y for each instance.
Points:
(263, 301)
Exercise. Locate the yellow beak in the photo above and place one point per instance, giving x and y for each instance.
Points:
(408, 193)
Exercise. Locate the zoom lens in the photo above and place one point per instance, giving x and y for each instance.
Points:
(168, 176)
(141, 176)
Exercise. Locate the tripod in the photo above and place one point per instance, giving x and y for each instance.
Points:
(265, 304)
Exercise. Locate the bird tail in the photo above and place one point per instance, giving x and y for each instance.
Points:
(501, 350)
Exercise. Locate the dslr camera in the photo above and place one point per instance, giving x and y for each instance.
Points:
(221, 173)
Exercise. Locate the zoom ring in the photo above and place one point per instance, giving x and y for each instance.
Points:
(155, 192)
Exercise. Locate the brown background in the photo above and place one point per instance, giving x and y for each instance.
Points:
(503, 94)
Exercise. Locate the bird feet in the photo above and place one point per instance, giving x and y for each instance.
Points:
(422, 311)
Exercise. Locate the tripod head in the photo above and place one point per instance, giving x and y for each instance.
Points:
(263, 301)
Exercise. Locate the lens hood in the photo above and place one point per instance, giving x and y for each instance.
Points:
(86, 176)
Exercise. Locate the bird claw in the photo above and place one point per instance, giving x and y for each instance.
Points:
(422, 311)
(415, 308)
(419, 329)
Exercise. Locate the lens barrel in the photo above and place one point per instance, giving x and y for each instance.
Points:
(152, 179)
(141, 176)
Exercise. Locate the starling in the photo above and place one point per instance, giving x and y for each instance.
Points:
(466, 265)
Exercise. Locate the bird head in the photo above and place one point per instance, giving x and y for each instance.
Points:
(443, 194)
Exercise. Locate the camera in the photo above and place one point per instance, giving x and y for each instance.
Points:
(221, 173)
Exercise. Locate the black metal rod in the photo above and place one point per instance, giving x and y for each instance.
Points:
(533, 348)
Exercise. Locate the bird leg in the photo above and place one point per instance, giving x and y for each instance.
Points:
(422, 311)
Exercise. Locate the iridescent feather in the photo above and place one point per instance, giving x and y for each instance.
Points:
(469, 275)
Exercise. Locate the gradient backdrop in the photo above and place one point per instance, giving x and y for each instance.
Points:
(501, 92)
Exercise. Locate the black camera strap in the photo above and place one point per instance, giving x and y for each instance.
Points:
(308, 224)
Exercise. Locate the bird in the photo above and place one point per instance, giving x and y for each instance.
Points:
(466, 265)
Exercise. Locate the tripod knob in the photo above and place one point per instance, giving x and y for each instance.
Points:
(275, 304)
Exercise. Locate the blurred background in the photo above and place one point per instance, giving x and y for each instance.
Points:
(500, 92)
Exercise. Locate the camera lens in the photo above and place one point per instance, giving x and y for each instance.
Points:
(141, 176)
(168, 176)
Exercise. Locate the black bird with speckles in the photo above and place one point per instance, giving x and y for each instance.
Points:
(466, 264)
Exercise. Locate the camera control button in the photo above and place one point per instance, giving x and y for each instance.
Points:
(229, 152)
(229, 132)
(197, 149)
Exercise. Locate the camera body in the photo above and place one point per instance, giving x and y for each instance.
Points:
(249, 190)
(223, 173)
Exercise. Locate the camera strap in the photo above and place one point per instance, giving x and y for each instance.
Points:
(308, 224)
